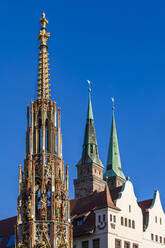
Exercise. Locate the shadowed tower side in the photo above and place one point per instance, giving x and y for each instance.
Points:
(114, 175)
(90, 167)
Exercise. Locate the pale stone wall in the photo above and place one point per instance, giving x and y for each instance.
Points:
(156, 224)
(109, 227)
(102, 237)
(131, 216)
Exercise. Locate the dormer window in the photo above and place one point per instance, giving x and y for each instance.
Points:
(79, 222)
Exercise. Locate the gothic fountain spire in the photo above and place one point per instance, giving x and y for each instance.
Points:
(43, 218)
(43, 67)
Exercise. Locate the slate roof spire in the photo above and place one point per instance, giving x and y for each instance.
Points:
(90, 146)
(113, 159)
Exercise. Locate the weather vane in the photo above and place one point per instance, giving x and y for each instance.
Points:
(113, 103)
(89, 85)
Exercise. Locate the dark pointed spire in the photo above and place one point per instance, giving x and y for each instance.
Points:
(113, 159)
(43, 69)
(90, 147)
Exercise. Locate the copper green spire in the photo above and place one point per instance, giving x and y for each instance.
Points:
(90, 147)
(90, 112)
(113, 160)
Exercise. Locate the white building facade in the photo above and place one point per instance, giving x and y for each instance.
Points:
(119, 220)
(124, 227)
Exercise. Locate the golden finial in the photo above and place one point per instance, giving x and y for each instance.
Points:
(43, 35)
(89, 86)
(43, 74)
(113, 103)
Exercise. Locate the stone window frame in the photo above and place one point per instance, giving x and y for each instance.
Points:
(133, 224)
(118, 240)
(156, 219)
(129, 223)
(152, 237)
(85, 244)
(110, 217)
(160, 221)
(122, 221)
(135, 245)
(156, 238)
(127, 243)
(129, 208)
(96, 245)
(125, 221)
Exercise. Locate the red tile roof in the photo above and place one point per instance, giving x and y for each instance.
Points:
(6, 230)
(84, 208)
(97, 200)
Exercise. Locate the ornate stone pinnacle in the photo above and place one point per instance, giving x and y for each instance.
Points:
(43, 70)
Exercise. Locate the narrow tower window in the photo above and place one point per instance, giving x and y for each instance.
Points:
(91, 148)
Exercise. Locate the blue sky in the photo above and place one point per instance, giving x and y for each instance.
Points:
(120, 47)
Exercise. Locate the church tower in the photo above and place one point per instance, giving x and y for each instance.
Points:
(43, 218)
(114, 175)
(90, 167)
